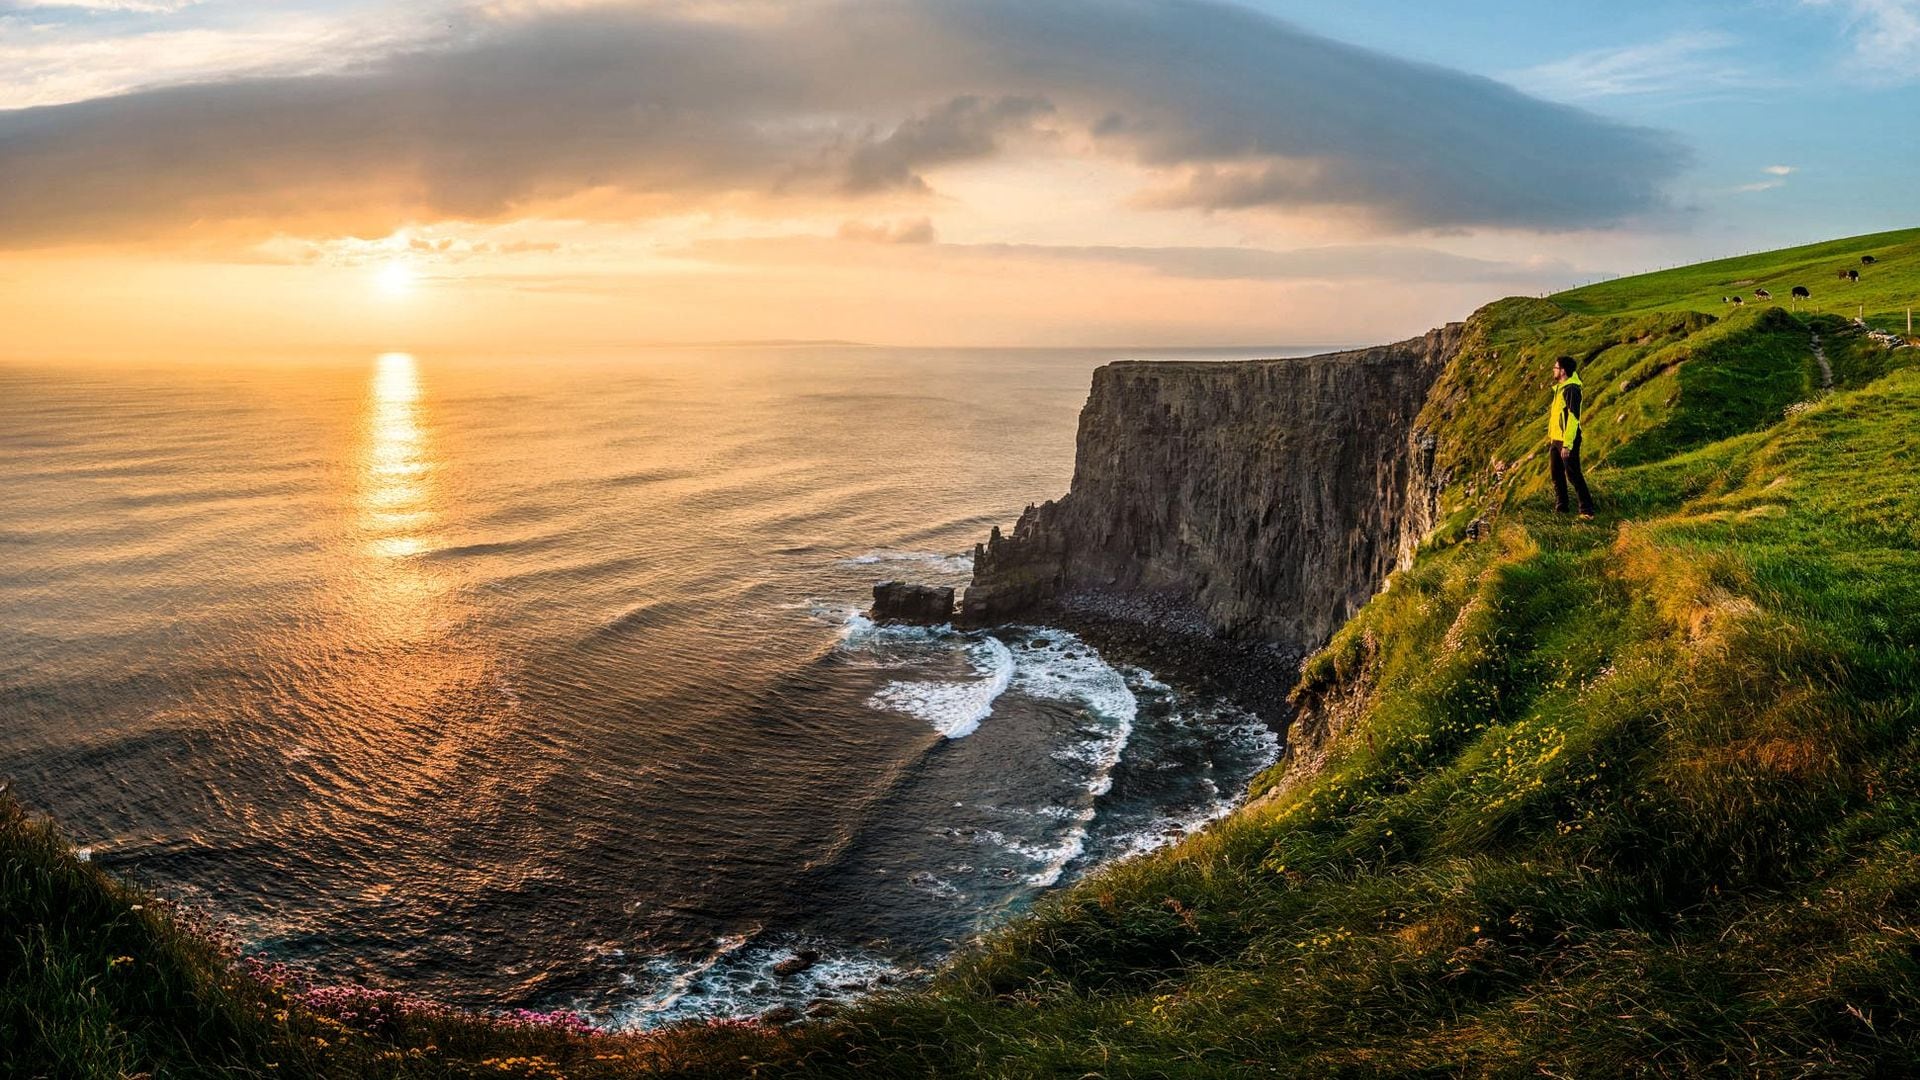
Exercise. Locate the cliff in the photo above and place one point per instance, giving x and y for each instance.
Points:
(1634, 796)
(1260, 499)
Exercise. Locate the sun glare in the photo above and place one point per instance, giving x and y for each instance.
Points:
(394, 497)
(394, 279)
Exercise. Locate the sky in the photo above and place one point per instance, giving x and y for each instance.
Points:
(185, 178)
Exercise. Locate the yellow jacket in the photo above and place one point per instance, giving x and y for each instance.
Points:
(1563, 412)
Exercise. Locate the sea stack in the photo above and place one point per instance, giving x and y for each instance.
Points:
(900, 601)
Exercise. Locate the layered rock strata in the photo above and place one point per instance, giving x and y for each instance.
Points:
(1255, 500)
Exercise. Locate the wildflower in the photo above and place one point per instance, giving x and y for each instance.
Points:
(118, 960)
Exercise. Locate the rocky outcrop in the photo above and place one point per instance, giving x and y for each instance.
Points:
(898, 601)
(1264, 499)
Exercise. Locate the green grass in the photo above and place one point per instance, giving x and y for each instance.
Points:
(1885, 289)
(99, 979)
(1632, 796)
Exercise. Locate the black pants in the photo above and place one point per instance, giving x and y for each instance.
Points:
(1565, 470)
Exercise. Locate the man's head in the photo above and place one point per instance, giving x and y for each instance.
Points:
(1563, 367)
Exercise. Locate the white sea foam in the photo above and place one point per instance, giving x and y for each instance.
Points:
(932, 560)
(1053, 858)
(929, 882)
(955, 709)
(859, 631)
(1054, 665)
(1250, 735)
(680, 982)
(736, 980)
(1067, 669)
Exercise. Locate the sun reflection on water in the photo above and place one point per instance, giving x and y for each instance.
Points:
(401, 704)
(395, 499)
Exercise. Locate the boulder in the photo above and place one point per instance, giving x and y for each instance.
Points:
(780, 1014)
(801, 960)
(899, 601)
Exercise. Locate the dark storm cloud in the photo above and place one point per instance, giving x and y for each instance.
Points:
(838, 99)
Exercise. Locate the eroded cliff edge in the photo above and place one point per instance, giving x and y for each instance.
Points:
(1261, 500)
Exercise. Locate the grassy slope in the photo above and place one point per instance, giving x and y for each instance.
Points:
(1884, 290)
(1634, 795)
(99, 979)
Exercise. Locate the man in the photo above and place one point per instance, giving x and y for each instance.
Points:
(1563, 438)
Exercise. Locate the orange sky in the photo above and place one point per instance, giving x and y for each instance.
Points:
(183, 179)
(74, 304)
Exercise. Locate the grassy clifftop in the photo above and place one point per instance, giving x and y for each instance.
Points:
(1637, 795)
(1886, 286)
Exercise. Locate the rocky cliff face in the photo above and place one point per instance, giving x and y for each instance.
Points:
(1265, 499)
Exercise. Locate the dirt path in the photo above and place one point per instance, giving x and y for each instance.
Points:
(1826, 369)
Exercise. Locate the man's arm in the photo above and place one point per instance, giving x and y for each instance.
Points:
(1571, 429)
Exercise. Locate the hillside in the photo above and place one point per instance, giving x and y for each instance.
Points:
(1885, 289)
(1637, 795)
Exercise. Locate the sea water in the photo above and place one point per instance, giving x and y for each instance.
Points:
(530, 682)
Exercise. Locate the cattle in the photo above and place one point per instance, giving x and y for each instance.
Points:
(1737, 300)
(1867, 260)
(1763, 294)
(1844, 273)
(1800, 293)
(1853, 275)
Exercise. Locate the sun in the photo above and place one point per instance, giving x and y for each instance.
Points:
(395, 279)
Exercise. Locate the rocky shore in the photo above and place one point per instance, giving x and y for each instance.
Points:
(1154, 632)
(1225, 518)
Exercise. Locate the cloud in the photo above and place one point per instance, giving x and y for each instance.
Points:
(626, 111)
(1886, 36)
(138, 7)
(1687, 63)
(1351, 262)
(915, 231)
(63, 60)
(965, 127)
(1398, 263)
(417, 248)
(1776, 177)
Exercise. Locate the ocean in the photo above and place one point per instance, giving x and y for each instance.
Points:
(546, 684)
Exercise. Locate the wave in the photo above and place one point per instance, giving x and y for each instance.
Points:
(494, 547)
(645, 477)
(1250, 746)
(860, 632)
(1058, 666)
(739, 979)
(1043, 664)
(931, 560)
(1054, 858)
(955, 709)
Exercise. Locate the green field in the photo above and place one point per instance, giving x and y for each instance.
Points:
(1636, 796)
(1886, 289)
